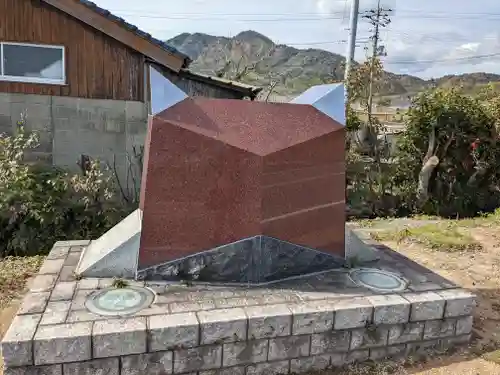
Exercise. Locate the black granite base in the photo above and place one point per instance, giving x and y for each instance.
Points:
(254, 260)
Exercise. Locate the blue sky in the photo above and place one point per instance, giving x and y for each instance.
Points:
(427, 38)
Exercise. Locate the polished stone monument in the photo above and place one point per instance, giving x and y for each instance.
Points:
(234, 191)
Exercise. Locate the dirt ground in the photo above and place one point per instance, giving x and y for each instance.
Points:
(476, 270)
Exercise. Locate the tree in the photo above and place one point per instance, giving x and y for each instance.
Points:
(448, 155)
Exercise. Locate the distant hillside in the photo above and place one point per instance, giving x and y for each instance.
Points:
(302, 67)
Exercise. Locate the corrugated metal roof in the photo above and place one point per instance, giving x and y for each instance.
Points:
(106, 13)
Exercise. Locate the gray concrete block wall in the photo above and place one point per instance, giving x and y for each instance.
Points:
(70, 127)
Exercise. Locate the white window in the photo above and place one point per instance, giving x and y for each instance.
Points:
(33, 63)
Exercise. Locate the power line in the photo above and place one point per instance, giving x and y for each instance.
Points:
(455, 59)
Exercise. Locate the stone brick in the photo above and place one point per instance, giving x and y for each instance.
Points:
(425, 306)
(450, 342)
(439, 328)
(289, 347)
(377, 354)
(329, 342)
(67, 273)
(422, 348)
(55, 313)
(390, 309)
(369, 337)
(312, 317)
(62, 343)
(459, 302)
(464, 325)
(357, 356)
(88, 283)
(107, 366)
(159, 363)
(268, 321)
(58, 252)
(403, 333)
(173, 331)
(17, 345)
(307, 364)
(269, 368)
(43, 283)
(338, 359)
(218, 326)
(72, 259)
(246, 352)
(63, 291)
(51, 267)
(34, 370)
(115, 337)
(34, 303)
(235, 370)
(73, 243)
(197, 359)
(82, 316)
(352, 313)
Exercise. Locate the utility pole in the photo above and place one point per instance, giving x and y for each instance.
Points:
(379, 18)
(351, 46)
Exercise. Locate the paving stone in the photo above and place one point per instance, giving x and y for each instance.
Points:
(390, 309)
(63, 291)
(235, 370)
(73, 243)
(34, 370)
(425, 306)
(115, 337)
(269, 368)
(88, 283)
(198, 359)
(246, 352)
(72, 259)
(180, 307)
(387, 352)
(51, 267)
(34, 303)
(369, 337)
(55, 313)
(425, 287)
(459, 302)
(225, 325)
(464, 325)
(43, 283)
(173, 331)
(154, 310)
(312, 317)
(67, 273)
(329, 342)
(289, 347)
(352, 313)
(17, 345)
(62, 343)
(159, 363)
(439, 328)
(268, 321)
(82, 316)
(403, 333)
(307, 364)
(58, 252)
(107, 366)
(105, 283)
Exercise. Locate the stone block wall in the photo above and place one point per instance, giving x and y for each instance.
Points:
(70, 127)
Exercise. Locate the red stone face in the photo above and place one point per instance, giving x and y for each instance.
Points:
(217, 171)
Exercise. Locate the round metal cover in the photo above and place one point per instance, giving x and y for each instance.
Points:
(378, 280)
(119, 301)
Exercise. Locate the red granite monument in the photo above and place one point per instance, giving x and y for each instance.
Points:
(219, 173)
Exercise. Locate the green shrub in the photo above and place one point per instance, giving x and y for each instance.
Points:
(40, 205)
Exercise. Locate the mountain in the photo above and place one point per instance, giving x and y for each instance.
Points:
(302, 67)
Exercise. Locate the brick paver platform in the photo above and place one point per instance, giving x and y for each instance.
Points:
(292, 326)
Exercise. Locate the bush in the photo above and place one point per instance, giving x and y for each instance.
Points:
(40, 205)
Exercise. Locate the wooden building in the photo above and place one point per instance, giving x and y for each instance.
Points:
(79, 76)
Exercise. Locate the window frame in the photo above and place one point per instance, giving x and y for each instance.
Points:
(48, 81)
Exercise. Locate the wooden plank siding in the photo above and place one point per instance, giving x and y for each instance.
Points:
(97, 66)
